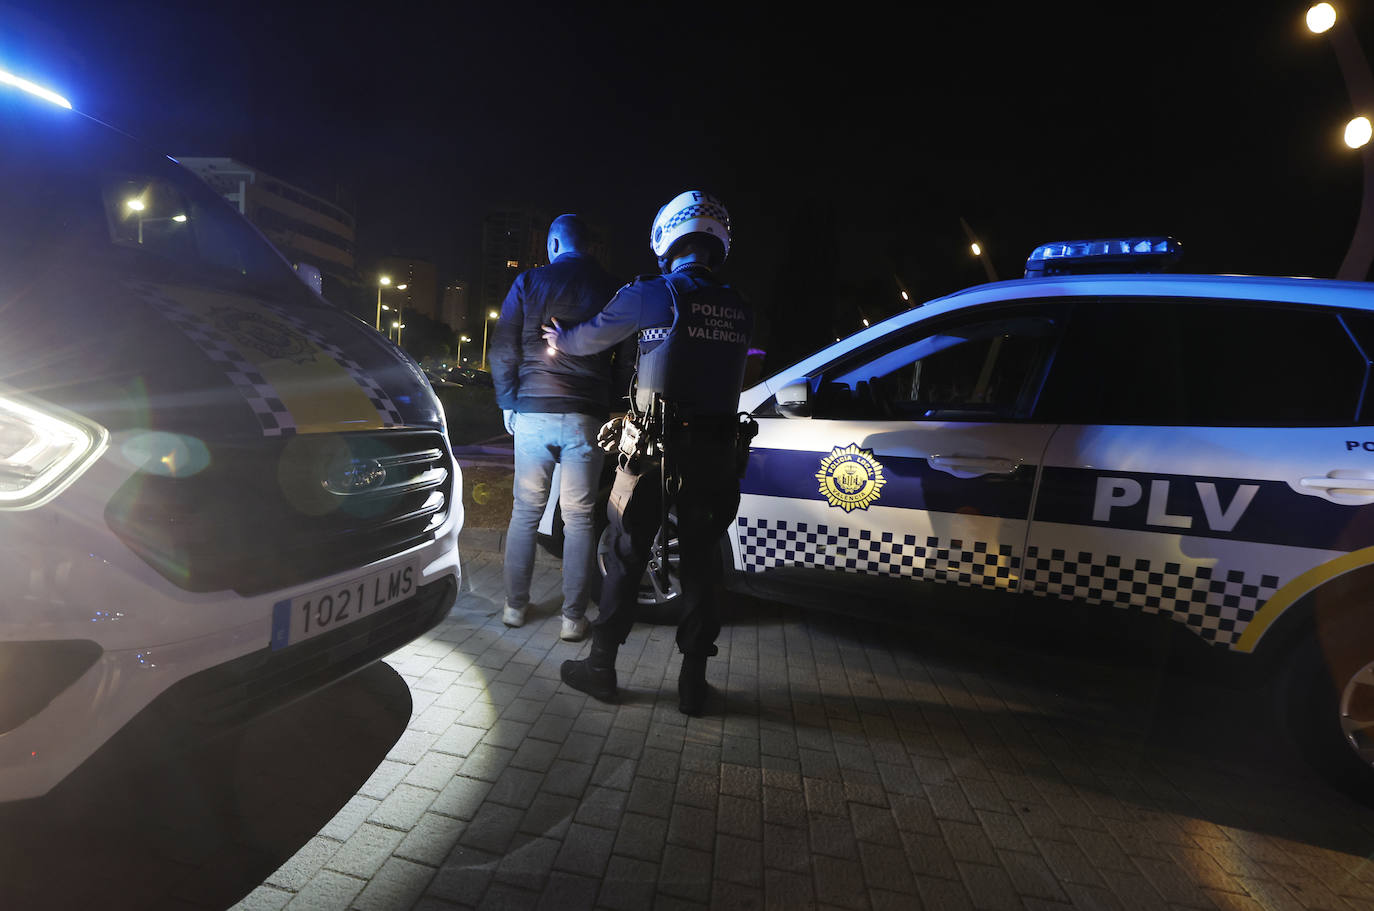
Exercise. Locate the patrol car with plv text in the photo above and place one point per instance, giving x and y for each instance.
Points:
(218, 491)
(1196, 448)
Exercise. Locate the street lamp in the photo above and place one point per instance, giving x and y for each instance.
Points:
(1322, 19)
(976, 249)
(461, 339)
(381, 282)
(400, 314)
(486, 324)
(1357, 132)
(138, 207)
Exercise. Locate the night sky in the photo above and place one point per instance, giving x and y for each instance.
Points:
(847, 141)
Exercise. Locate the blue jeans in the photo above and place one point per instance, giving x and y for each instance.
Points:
(540, 441)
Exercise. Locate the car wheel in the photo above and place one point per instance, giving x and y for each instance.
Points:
(658, 602)
(1326, 704)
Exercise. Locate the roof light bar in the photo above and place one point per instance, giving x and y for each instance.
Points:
(33, 89)
(1112, 254)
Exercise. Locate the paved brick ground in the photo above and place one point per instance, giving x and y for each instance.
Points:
(844, 765)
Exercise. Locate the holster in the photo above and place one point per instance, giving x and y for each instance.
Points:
(636, 443)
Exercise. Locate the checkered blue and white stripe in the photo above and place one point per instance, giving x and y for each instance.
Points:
(1217, 605)
(769, 543)
(706, 209)
(386, 408)
(273, 416)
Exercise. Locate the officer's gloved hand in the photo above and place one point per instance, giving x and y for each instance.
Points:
(608, 437)
(508, 417)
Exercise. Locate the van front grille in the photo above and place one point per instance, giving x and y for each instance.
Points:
(267, 514)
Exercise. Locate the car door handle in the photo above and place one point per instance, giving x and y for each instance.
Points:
(1327, 483)
(973, 466)
(1344, 490)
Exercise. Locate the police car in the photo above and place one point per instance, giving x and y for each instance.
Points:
(217, 491)
(1195, 448)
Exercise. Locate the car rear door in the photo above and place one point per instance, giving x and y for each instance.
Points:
(1209, 454)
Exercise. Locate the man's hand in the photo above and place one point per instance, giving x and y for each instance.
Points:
(508, 417)
(608, 437)
(552, 333)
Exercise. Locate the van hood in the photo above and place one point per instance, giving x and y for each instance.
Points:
(212, 361)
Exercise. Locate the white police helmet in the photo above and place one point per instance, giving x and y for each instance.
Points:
(693, 212)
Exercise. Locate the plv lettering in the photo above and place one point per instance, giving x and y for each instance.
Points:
(1120, 493)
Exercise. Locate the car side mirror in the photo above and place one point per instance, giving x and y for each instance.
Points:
(794, 400)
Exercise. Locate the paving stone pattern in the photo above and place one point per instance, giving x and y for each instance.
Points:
(845, 765)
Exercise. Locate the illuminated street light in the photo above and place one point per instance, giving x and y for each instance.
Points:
(905, 296)
(1359, 84)
(1321, 17)
(137, 206)
(1357, 132)
(381, 282)
(461, 339)
(977, 249)
(486, 323)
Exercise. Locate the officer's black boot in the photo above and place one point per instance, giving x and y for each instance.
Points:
(594, 674)
(691, 685)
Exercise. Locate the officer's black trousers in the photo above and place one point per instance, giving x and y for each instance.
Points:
(704, 499)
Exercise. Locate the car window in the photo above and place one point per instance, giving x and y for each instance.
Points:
(1199, 363)
(1360, 324)
(80, 193)
(966, 370)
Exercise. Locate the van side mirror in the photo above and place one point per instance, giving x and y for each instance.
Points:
(794, 400)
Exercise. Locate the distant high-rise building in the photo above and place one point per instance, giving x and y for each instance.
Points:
(421, 280)
(453, 305)
(306, 228)
(512, 241)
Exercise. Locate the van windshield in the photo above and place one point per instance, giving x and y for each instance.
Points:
(80, 195)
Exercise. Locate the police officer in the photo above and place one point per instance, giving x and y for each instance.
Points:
(678, 444)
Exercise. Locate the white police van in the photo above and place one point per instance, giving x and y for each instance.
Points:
(217, 490)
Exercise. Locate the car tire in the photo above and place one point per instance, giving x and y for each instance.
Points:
(659, 605)
(1326, 704)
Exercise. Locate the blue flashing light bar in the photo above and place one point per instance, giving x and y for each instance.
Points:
(34, 89)
(1114, 254)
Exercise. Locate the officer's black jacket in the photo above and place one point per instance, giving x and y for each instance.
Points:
(646, 303)
(528, 378)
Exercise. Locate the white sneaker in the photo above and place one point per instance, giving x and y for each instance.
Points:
(574, 629)
(513, 616)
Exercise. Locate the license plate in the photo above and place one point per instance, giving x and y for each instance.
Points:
(299, 618)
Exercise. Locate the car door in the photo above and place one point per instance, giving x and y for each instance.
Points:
(917, 460)
(1210, 454)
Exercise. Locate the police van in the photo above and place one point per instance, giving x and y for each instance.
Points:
(1198, 448)
(217, 490)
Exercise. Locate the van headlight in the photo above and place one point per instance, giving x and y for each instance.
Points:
(43, 449)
